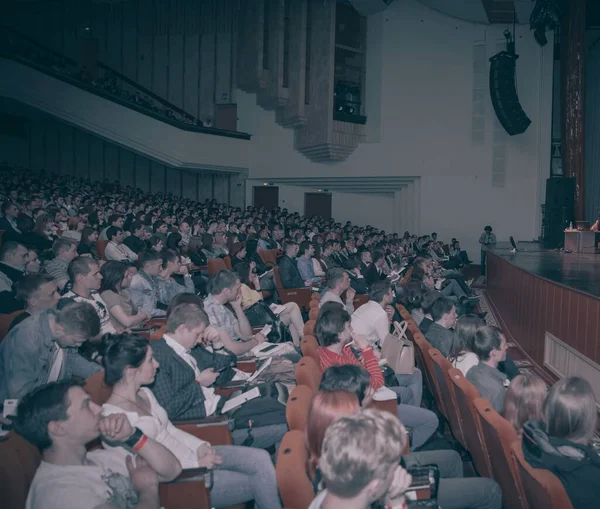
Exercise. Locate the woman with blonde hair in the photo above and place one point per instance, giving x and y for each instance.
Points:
(524, 400)
(561, 441)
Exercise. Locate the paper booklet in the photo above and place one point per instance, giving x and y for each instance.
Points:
(277, 309)
(232, 403)
(263, 366)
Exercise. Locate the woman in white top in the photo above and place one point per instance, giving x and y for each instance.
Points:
(239, 474)
(461, 351)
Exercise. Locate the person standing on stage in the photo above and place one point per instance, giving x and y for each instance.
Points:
(487, 241)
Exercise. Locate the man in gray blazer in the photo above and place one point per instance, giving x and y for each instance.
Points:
(444, 316)
(143, 289)
(184, 382)
(43, 348)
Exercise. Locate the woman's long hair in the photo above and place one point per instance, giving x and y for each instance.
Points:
(524, 400)
(464, 333)
(325, 408)
(113, 273)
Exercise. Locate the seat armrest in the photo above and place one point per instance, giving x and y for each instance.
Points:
(189, 485)
(216, 429)
(247, 366)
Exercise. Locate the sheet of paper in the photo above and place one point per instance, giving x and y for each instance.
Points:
(264, 366)
(240, 375)
(232, 403)
(277, 309)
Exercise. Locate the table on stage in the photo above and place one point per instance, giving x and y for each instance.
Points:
(578, 241)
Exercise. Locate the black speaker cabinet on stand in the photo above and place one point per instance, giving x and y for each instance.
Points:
(503, 92)
(559, 210)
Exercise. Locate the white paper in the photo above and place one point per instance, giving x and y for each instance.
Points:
(384, 394)
(264, 366)
(277, 309)
(232, 403)
(266, 330)
(240, 375)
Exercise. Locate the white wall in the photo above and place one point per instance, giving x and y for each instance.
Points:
(420, 122)
(362, 209)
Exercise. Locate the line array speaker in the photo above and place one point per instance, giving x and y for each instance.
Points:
(503, 92)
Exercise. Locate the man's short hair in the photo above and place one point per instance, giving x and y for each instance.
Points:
(8, 248)
(347, 377)
(6, 205)
(79, 318)
(379, 290)
(189, 314)
(360, 448)
(220, 281)
(330, 324)
(113, 218)
(136, 225)
(441, 307)
(29, 286)
(334, 276)
(40, 407)
(486, 339)
(288, 244)
(112, 231)
(60, 245)
(80, 266)
(149, 256)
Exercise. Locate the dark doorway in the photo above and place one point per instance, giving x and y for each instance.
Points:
(266, 196)
(317, 204)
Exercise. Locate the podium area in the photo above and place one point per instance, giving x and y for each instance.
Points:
(550, 303)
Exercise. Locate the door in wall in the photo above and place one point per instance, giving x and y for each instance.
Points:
(266, 196)
(317, 204)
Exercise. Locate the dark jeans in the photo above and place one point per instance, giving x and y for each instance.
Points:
(483, 256)
(456, 491)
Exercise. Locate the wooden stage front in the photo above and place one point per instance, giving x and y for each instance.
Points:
(537, 291)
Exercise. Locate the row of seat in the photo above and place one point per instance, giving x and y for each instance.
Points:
(495, 448)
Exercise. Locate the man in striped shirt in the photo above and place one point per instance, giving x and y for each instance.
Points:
(335, 335)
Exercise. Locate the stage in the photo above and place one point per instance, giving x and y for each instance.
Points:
(550, 303)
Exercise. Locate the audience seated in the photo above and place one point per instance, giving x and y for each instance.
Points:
(240, 474)
(560, 442)
(360, 462)
(455, 491)
(183, 384)
(8, 221)
(489, 344)
(167, 286)
(236, 332)
(461, 353)
(36, 292)
(135, 241)
(64, 253)
(116, 249)
(524, 400)
(439, 334)
(335, 334)
(143, 289)
(116, 278)
(13, 259)
(427, 302)
(250, 293)
(85, 277)
(338, 283)
(87, 244)
(305, 265)
(60, 419)
(43, 348)
(288, 267)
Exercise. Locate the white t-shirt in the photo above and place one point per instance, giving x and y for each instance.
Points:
(372, 321)
(104, 479)
(97, 302)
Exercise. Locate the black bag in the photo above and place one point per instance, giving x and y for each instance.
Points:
(389, 377)
(260, 314)
(265, 410)
(280, 333)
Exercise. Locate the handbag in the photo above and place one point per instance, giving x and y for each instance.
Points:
(260, 314)
(399, 351)
(280, 333)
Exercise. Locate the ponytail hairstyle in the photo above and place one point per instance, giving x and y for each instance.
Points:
(120, 351)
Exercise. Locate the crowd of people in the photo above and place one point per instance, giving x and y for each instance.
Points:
(85, 266)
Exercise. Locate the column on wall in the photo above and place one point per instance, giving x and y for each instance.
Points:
(573, 95)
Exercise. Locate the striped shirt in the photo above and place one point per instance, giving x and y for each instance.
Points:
(328, 358)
